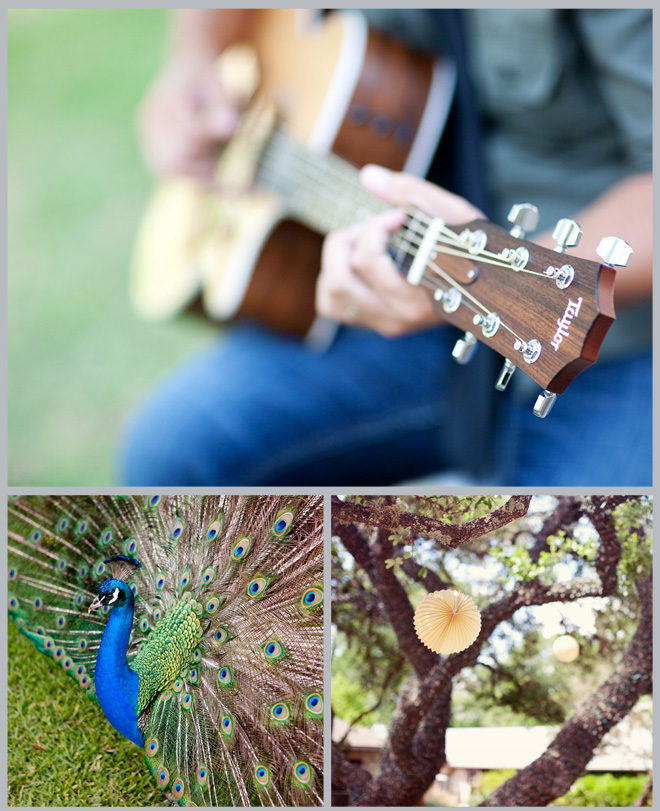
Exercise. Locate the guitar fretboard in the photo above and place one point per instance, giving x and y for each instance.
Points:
(321, 191)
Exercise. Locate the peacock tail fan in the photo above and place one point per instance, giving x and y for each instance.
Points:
(226, 635)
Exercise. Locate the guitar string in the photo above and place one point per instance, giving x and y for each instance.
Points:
(446, 277)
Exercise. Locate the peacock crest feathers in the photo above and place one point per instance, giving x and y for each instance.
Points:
(226, 636)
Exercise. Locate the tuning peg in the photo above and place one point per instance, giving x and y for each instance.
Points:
(506, 374)
(524, 217)
(464, 349)
(614, 251)
(567, 234)
(544, 403)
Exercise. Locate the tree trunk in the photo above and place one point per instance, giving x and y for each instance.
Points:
(554, 772)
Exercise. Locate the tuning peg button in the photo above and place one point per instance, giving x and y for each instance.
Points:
(614, 251)
(506, 374)
(567, 234)
(544, 403)
(464, 349)
(524, 218)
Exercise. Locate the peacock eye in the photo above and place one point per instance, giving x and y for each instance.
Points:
(312, 597)
(303, 772)
(283, 522)
(280, 712)
(257, 586)
(241, 548)
(262, 775)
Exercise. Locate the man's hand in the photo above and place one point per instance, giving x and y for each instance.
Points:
(186, 118)
(359, 283)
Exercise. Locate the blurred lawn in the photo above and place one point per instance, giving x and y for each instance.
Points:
(79, 359)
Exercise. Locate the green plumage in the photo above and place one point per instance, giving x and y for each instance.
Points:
(226, 635)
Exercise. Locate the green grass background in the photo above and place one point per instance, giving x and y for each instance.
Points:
(61, 749)
(79, 358)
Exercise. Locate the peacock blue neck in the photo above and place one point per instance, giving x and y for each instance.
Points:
(116, 684)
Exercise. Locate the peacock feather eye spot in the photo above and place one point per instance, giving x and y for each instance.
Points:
(280, 712)
(314, 704)
(12, 602)
(49, 644)
(197, 655)
(177, 529)
(82, 645)
(58, 653)
(78, 599)
(160, 581)
(257, 586)
(81, 526)
(202, 775)
(144, 625)
(187, 701)
(151, 746)
(225, 676)
(282, 523)
(177, 686)
(133, 588)
(177, 789)
(61, 565)
(208, 575)
(274, 650)
(262, 775)
(36, 536)
(157, 614)
(153, 501)
(227, 725)
(303, 772)
(67, 664)
(185, 579)
(84, 681)
(60, 621)
(166, 695)
(162, 777)
(37, 603)
(213, 530)
(82, 571)
(212, 604)
(105, 537)
(241, 548)
(131, 546)
(99, 568)
(62, 524)
(13, 574)
(312, 597)
(80, 670)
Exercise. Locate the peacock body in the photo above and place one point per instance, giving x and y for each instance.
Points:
(210, 653)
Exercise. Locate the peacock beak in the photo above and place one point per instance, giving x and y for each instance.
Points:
(96, 602)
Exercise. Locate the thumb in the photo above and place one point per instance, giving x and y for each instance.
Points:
(401, 189)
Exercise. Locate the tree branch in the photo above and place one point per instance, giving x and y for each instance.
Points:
(390, 517)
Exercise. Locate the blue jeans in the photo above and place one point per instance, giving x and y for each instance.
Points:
(259, 409)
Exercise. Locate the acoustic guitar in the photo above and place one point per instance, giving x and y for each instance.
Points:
(332, 95)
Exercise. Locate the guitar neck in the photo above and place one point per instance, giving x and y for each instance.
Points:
(321, 191)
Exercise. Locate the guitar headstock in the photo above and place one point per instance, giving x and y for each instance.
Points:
(545, 311)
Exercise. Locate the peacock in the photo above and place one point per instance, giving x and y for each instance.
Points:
(210, 653)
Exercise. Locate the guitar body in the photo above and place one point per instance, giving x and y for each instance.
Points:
(337, 87)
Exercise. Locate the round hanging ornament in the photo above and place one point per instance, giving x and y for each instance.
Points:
(565, 648)
(447, 621)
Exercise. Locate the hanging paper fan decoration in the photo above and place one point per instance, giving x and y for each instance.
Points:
(447, 621)
(565, 648)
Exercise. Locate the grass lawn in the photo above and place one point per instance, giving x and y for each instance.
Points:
(61, 749)
(79, 359)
